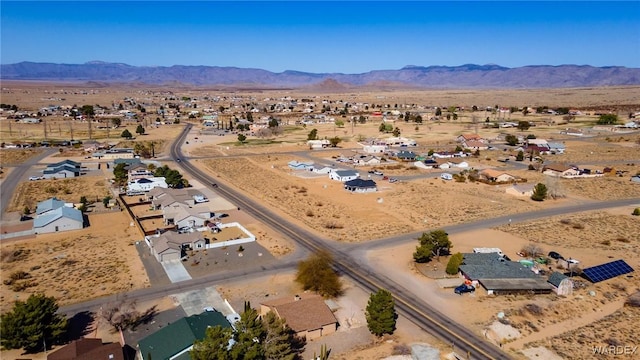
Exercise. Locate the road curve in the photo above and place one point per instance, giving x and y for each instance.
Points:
(416, 310)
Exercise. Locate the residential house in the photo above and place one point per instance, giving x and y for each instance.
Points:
(536, 149)
(296, 165)
(493, 175)
(398, 141)
(171, 245)
(53, 215)
(308, 315)
(500, 276)
(141, 185)
(469, 137)
(404, 155)
(62, 170)
(448, 154)
(366, 161)
(323, 170)
(126, 161)
(162, 198)
(556, 148)
(343, 175)
(520, 190)
(360, 186)
(88, 349)
(175, 340)
(374, 148)
(186, 217)
(560, 170)
(561, 284)
(138, 171)
(458, 163)
(114, 153)
(475, 145)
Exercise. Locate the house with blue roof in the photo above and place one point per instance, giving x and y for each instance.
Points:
(175, 340)
(53, 215)
(62, 170)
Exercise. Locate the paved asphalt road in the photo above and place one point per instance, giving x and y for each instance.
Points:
(16, 175)
(407, 303)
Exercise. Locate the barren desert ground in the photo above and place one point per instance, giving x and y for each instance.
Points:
(102, 259)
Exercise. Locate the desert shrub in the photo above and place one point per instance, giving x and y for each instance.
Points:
(21, 286)
(578, 226)
(51, 190)
(565, 221)
(19, 275)
(333, 225)
(310, 213)
(636, 212)
(531, 167)
(8, 256)
(302, 190)
(532, 250)
(319, 203)
(534, 309)
(623, 239)
(606, 242)
(633, 300)
(401, 349)
(240, 248)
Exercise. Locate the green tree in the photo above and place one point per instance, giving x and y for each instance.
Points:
(249, 335)
(454, 263)
(215, 345)
(396, 132)
(539, 192)
(172, 177)
(511, 140)
(316, 274)
(607, 119)
(105, 201)
(273, 123)
(313, 134)
(381, 313)
(126, 134)
(280, 340)
(335, 141)
(382, 127)
(523, 125)
(438, 112)
(520, 156)
(32, 323)
(87, 110)
(242, 138)
(434, 243)
(339, 123)
(120, 174)
(636, 212)
(140, 129)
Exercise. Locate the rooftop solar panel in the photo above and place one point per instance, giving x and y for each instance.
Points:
(607, 271)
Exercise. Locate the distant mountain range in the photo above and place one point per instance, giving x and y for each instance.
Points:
(464, 76)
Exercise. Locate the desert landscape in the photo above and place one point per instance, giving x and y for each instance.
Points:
(67, 265)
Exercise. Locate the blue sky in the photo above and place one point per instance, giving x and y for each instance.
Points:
(346, 37)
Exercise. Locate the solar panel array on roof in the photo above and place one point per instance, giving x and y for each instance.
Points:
(607, 271)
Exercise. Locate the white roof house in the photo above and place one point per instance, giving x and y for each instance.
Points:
(146, 184)
(343, 175)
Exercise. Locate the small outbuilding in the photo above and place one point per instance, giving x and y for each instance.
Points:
(561, 284)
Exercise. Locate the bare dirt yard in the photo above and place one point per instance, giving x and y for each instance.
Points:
(76, 265)
(9, 157)
(29, 193)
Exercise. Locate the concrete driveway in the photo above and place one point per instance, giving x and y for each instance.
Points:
(194, 302)
(175, 271)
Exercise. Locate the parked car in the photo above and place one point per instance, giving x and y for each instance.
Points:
(223, 215)
(209, 309)
(372, 172)
(379, 173)
(34, 178)
(446, 176)
(392, 180)
(573, 261)
(555, 255)
(464, 288)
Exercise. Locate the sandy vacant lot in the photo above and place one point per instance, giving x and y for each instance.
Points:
(76, 265)
(29, 193)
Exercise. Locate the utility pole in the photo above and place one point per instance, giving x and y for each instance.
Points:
(44, 123)
(89, 120)
(71, 129)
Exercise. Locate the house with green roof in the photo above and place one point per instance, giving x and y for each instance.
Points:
(174, 341)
